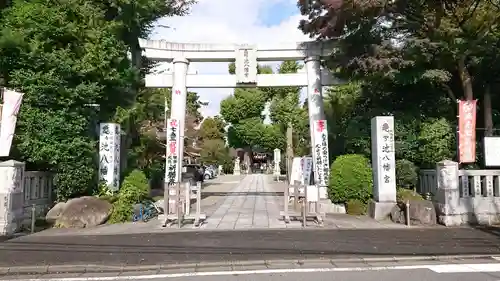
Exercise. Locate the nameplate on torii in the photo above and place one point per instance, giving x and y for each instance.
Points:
(246, 64)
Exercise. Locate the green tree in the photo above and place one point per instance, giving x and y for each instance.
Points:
(285, 109)
(64, 56)
(243, 111)
(214, 151)
(213, 128)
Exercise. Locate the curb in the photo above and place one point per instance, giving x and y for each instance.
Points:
(95, 268)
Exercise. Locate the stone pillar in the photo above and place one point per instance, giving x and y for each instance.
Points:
(178, 104)
(447, 195)
(11, 196)
(384, 167)
(237, 168)
(314, 101)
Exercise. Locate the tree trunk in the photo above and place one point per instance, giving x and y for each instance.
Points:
(488, 116)
(465, 79)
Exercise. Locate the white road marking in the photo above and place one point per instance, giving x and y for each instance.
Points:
(442, 268)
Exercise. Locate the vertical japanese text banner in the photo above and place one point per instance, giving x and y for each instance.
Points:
(467, 131)
(322, 168)
(173, 157)
(109, 155)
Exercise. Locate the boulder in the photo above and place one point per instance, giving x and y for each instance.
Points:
(422, 212)
(159, 204)
(87, 211)
(54, 213)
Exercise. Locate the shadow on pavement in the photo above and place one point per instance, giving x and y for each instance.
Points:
(212, 246)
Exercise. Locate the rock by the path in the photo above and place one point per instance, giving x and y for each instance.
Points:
(87, 211)
(54, 213)
(422, 212)
(159, 204)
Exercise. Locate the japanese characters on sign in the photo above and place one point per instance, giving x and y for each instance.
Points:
(307, 165)
(109, 155)
(246, 65)
(173, 140)
(322, 169)
(383, 158)
(387, 151)
(467, 131)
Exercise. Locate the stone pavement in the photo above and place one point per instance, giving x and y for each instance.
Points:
(251, 204)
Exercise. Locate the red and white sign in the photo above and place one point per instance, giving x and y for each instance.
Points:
(467, 131)
(173, 152)
(322, 164)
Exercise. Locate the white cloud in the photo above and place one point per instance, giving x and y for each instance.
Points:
(228, 21)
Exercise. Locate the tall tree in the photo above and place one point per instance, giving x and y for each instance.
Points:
(65, 57)
(244, 112)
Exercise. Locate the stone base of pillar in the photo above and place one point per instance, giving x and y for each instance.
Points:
(11, 196)
(326, 206)
(380, 210)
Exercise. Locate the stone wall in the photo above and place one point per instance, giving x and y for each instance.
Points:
(466, 196)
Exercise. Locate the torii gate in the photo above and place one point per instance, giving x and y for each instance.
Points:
(246, 58)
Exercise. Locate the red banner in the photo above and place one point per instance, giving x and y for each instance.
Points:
(467, 131)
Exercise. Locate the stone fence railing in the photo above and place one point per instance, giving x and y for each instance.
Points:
(37, 191)
(463, 196)
(19, 191)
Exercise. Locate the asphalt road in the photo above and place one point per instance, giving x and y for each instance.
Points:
(430, 272)
(218, 246)
(394, 275)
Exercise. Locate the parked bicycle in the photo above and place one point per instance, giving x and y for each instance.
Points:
(147, 211)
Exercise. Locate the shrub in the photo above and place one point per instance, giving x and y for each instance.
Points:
(356, 207)
(350, 179)
(402, 195)
(406, 173)
(134, 189)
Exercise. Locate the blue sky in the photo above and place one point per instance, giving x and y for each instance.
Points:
(277, 12)
(231, 21)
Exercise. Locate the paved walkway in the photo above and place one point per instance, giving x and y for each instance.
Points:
(251, 204)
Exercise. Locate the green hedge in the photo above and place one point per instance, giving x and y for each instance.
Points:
(350, 179)
(134, 189)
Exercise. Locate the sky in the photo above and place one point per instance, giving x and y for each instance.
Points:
(231, 21)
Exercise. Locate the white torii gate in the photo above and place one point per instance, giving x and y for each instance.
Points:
(246, 58)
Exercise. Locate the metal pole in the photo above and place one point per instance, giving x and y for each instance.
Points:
(198, 203)
(304, 207)
(179, 205)
(408, 222)
(33, 218)
(187, 194)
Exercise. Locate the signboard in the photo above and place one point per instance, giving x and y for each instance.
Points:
(322, 169)
(246, 65)
(109, 154)
(277, 155)
(383, 159)
(301, 170)
(296, 170)
(8, 119)
(307, 165)
(492, 151)
(467, 131)
(173, 151)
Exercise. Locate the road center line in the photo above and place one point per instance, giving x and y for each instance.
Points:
(443, 268)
